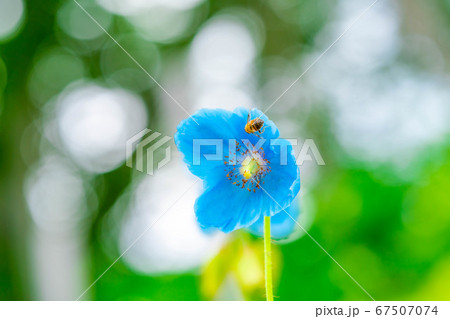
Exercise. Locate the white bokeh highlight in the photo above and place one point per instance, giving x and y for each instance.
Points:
(56, 201)
(175, 243)
(130, 7)
(11, 16)
(369, 91)
(221, 61)
(55, 195)
(94, 124)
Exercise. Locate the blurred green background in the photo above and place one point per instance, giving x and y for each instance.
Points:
(377, 105)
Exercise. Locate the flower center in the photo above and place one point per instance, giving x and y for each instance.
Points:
(247, 167)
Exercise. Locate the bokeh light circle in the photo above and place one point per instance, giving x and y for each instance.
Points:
(94, 124)
(222, 51)
(55, 195)
(175, 243)
(11, 15)
(130, 7)
(53, 70)
(77, 24)
(121, 70)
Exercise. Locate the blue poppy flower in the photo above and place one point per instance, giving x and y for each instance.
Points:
(245, 176)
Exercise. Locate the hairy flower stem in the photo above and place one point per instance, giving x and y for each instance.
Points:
(268, 259)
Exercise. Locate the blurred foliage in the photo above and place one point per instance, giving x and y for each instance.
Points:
(241, 263)
(390, 233)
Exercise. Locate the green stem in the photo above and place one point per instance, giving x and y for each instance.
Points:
(268, 259)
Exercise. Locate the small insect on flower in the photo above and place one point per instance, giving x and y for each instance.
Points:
(254, 126)
(248, 172)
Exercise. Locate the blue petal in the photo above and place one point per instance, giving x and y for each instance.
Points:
(204, 124)
(282, 183)
(281, 224)
(226, 207)
(220, 125)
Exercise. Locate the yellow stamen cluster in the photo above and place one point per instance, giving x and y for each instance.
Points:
(249, 167)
